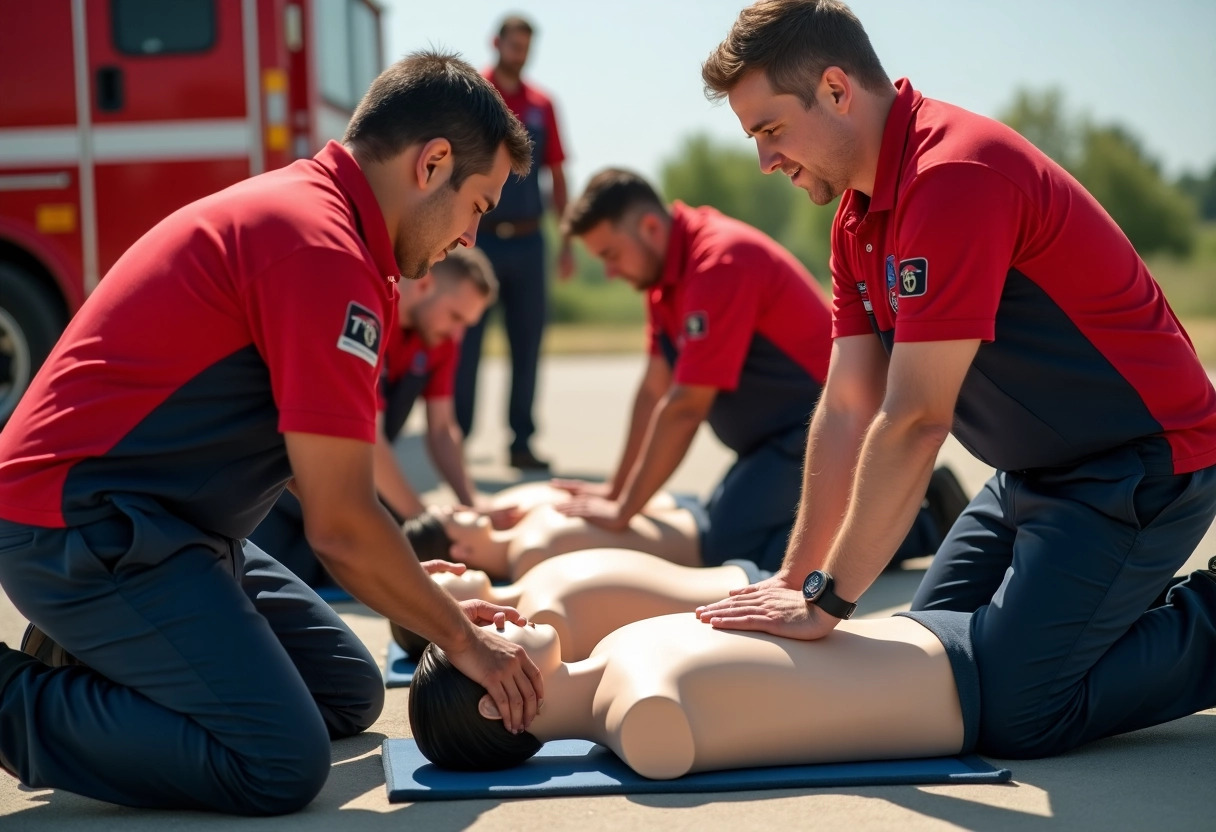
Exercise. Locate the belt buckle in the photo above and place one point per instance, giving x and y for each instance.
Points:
(504, 230)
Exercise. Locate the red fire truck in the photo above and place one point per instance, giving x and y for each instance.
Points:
(114, 113)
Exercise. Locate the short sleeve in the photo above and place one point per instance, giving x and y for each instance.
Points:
(317, 320)
(717, 321)
(441, 383)
(849, 314)
(956, 231)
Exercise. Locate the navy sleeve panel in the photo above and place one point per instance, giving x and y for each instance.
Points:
(210, 453)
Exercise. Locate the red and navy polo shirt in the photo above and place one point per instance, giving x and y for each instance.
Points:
(521, 198)
(973, 233)
(411, 369)
(253, 312)
(735, 311)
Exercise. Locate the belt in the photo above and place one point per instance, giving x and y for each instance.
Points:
(514, 228)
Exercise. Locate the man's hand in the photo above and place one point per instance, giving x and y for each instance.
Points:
(769, 607)
(606, 514)
(483, 612)
(434, 567)
(581, 488)
(510, 678)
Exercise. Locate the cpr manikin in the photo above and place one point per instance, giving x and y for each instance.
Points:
(586, 595)
(667, 694)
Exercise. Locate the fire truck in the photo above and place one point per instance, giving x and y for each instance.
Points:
(114, 113)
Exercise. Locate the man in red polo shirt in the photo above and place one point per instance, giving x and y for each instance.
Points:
(419, 360)
(236, 346)
(739, 337)
(980, 289)
(512, 239)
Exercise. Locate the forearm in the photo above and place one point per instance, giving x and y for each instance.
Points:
(671, 433)
(391, 484)
(639, 424)
(896, 462)
(369, 557)
(447, 452)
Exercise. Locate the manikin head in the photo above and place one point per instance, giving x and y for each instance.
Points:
(455, 722)
(436, 143)
(794, 72)
(513, 43)
(622, 222)
(450, 298)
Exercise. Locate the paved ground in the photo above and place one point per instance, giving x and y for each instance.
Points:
(1158, 778)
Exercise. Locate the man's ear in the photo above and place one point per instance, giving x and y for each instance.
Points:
(487, 708)
(434, 165)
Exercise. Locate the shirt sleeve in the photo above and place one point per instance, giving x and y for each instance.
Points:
(956, 232)
(555, 154)
(718, 320)
(441, 383)
(317, 320)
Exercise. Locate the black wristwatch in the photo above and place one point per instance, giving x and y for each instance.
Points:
(817, 590)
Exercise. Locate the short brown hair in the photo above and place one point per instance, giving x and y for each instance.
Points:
(793, 41)
(469, 264)
(610, 195)
(430, 95)
(516, 23)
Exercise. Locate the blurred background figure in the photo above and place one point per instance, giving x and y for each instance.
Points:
(511, 237)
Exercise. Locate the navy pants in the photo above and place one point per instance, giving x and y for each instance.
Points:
(752, 511)
(1060, 569)
(215, 678)
(519, 263)
(282, 532)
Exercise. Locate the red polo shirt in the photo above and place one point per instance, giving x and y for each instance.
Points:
(973, 233)
(736, 311)
(253, 312)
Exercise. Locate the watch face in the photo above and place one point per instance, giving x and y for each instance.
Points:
(813, 585)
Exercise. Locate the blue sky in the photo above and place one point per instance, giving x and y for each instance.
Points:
(626, 73)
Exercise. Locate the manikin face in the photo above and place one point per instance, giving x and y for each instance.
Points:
(629, 249)
(473, 584)
(447, 217)
(471, 537)
(816, 148)
(513, 50)
(541, 643)
(448, 310)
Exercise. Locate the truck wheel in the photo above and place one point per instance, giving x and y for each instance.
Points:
(30, 323)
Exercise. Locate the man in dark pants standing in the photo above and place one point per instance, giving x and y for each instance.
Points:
(980, 289)
(512, 239)
(233, 348)
(739, 338)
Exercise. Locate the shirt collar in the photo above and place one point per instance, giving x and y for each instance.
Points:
(894, 140)
(369, 220)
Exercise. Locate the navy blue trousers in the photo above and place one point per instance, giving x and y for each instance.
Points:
(752, 510)
(519, 263)
(215, 678)
(1060, 569)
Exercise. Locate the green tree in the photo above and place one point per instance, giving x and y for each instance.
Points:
(1039, 116)
(1203, 191)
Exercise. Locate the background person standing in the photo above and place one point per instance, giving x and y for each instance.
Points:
(512, 239)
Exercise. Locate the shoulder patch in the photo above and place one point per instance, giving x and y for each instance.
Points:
(361, 333)
(696, 325)
(913, 277)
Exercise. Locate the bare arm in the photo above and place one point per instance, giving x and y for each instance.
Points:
(364, 550)
(565, 257)
(445, 443)
(391, 484)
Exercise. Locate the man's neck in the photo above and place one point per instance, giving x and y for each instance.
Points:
(507, 80)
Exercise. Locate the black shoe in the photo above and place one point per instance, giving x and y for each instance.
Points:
(39, 645)
(525, 460)
(945, 499)
(1212, 566)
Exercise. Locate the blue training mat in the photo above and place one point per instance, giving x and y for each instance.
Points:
(398, 667)
(578, 767)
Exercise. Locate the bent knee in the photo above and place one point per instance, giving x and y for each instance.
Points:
(283, 776)
(1006, 731)
(358, 708)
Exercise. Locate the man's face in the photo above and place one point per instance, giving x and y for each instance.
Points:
(449, 310)
(816, 148)
(624, 252)
(448, 217)
(513, 50)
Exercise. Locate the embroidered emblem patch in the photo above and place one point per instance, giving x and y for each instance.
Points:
(361, 333)
(892, 290)
(696, 325)
(913, 277)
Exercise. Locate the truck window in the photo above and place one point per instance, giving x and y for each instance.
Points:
(349, 50)
(154, 27)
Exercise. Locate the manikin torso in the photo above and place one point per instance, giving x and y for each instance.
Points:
(672, 695)
(586, 595)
